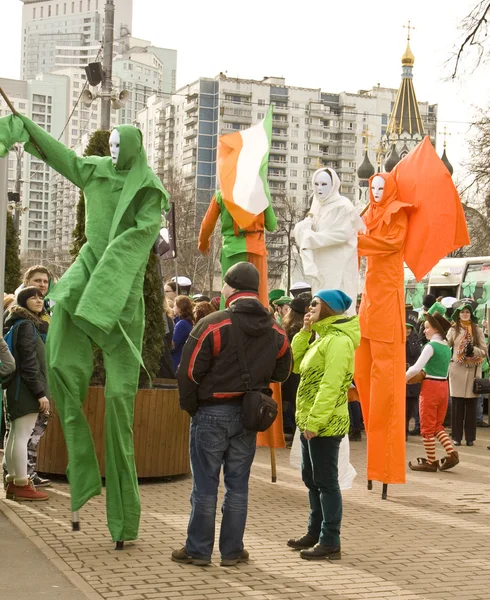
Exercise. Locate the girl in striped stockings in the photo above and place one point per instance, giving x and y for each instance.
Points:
(434, 366)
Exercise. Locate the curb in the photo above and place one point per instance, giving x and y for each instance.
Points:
(73, 577)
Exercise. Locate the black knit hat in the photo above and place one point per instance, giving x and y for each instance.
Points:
(26, 293)
(243, 276)
(298, 305)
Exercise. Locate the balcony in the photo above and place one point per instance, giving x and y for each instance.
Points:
(280, 122)
(193, 105)
(277, 177)
(280, 110)
(316, 137)
(189, 133)
(230, 118)
(279, 134)
(190, 119)
(277, 163)
(278, 149)
(319, 111)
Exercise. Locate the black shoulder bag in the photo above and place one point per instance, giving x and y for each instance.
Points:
(259, 409)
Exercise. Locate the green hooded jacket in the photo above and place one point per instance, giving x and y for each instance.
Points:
(326, 367)
(123, 216)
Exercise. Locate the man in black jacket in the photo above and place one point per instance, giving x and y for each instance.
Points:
(211, 389)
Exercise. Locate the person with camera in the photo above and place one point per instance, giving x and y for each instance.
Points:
(228, 362)
(326, 367)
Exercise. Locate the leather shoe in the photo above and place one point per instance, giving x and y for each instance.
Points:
(321, 552)
(305, 542)
(469, 443)
(455, 443)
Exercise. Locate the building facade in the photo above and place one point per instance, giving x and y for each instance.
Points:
(46, 101)
(58, 34)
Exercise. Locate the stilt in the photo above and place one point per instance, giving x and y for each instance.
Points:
(119, 545)
(273, 465)
(384, 494)
(370, 484)
(75, 521)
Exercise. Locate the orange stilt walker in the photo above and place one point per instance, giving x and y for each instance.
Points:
(246, 244)
(402, 225)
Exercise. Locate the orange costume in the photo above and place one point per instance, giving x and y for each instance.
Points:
(246, 244)
(380, 358)
(419, 220)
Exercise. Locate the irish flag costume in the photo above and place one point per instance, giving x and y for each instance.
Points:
(244, 205)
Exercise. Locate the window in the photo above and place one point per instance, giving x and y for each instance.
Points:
(34, 13)
(260, 115)
(293, 160)
(293, 173)
(294, 133)
(261, 102)
(305, 187)
(307, 147)
(294, 146)
(384, 120)
(295, 105)
(306, 160)
(294, 119)
(49, 10)
(306, 174)
(293, 186)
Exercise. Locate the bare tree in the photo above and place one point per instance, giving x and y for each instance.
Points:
(189, 262)
(475, 29)
(479, 231)
(281, 245)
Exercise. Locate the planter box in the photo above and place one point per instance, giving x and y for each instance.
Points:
(160, 431)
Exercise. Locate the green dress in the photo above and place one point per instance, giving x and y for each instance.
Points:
(100, 299)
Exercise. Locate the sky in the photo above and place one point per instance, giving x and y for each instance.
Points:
(332, 45)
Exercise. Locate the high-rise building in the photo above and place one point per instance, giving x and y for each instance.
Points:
(45, 100)
(57, 34)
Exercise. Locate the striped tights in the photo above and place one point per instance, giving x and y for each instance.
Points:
(430, 445)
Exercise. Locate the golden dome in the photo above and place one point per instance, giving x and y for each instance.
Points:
(408, 58)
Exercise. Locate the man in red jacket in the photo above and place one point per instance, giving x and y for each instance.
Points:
(211, 390)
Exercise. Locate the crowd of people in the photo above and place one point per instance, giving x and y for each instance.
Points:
(312, 355)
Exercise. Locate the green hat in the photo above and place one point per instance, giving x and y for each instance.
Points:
(437, 307)
(282, 300)
(276, 294)
(462, 304)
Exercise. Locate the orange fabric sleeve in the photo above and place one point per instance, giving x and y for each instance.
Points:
(208, 224)
(375, 245)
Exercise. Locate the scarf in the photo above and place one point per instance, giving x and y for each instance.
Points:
(467, 338)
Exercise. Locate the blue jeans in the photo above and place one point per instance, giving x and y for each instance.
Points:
(479, 409)
(319, 469)
(218, 438)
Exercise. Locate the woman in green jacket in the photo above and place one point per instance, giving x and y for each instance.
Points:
(326, 367)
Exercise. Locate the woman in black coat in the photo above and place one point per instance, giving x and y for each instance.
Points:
(27, 393)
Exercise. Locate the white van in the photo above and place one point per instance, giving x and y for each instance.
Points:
(457, 277)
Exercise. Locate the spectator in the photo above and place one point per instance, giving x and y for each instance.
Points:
(469, 351)
(292, 323)
(281, 306)
(28, 394)
(171, 291)
(183, 323)
(211, 389)
(39, 277)
(166, 366)
(201, 310)
(7, 362)
(7, 300)
(216, 301)
(413, 349)
(326, 367)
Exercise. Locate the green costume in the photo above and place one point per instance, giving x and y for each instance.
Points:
(326, 367)
(100, 299)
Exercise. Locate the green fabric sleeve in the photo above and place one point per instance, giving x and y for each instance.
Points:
(122, 260)
(337, 353)
(57, 155)
(270, 219)
(299, 347)
(12, 131)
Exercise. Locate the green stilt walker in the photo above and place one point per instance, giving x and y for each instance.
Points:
(100, 299)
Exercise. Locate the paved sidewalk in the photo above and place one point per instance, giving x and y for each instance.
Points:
(27, 572)
(429, 541)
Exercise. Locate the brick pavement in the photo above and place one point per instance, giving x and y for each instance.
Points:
(429, 540)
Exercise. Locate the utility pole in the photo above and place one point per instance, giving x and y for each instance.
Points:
(3, 223)
(107, 65)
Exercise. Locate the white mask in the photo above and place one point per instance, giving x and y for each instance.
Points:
(114, 142)
(323, 185)
(377, 187)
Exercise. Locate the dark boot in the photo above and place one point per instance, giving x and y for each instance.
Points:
(307, 541)
(322, 552)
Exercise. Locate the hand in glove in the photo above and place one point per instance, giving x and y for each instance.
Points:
(469, 349)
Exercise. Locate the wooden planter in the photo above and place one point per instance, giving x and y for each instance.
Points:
(161, 434)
